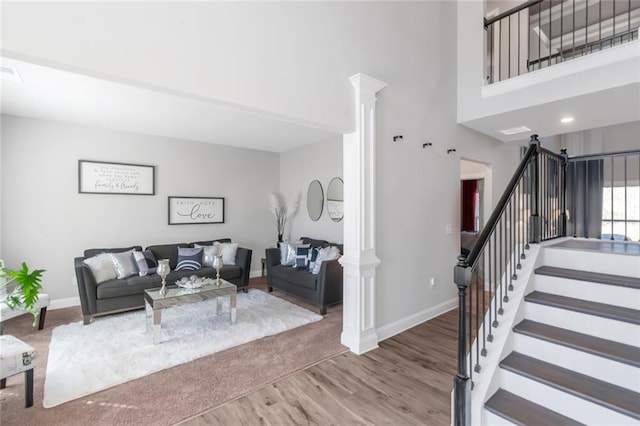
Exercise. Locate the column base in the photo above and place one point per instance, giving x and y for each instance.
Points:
(359, 344)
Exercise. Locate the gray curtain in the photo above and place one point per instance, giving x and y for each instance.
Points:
(585, 181)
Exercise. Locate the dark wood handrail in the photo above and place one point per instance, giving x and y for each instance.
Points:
(511, 11)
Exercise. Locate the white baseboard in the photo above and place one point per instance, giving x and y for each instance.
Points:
(64, 303)
(255, 274)
(406, 323)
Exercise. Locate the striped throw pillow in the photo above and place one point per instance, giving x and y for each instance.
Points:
(189, 259)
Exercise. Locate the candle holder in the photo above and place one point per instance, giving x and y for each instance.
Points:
(163, 270)
(217, 263)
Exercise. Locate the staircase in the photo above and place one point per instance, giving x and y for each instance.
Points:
(573, 353)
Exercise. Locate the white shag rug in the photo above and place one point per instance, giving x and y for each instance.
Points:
(117, 348)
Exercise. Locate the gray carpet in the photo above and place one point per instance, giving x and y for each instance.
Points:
(175, 394)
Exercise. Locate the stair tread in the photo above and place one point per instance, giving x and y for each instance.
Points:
(596, 277)
(613, 397)
(524, 412)
(584, 306)
(620, 352)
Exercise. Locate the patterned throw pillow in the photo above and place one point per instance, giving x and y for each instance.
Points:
(288, 252)
(189, 259)
(146, 262)
(101, 267)
(124, 264)
(302, 257)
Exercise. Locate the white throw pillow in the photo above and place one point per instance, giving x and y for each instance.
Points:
(209, 253)
(101, 267)
(324, 255)
(228, 252)
(334, 253)
(124, 264)
(284, 249)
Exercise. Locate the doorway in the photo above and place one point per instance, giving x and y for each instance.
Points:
(475, 196)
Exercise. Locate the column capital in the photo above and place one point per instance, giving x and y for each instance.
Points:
(365, 83)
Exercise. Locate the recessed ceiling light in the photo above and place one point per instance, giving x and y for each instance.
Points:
(10, 74)
(515, 130)
(567, 119)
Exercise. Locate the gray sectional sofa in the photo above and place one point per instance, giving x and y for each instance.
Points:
(321, 289)
(128, 293)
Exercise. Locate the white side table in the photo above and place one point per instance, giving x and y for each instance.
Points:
(42, 303)
(17, 357)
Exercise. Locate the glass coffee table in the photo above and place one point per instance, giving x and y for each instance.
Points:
(155, 302)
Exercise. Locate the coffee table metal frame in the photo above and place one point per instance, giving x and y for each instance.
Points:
(155, 303)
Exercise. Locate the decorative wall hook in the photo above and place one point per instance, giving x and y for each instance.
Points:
(397, 138)
(426, 144)
(450, 150)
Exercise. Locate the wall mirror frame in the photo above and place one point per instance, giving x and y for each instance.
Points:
(315, 200)
(335, 199)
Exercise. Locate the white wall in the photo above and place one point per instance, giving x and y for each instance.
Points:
(47, 223)
(622, 137)
(321, 161)
(418, 189)
(1, 190)
(470, 169)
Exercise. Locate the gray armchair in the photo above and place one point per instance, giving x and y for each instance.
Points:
(322, 289)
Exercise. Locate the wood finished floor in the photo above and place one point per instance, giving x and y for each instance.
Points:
(406, 381)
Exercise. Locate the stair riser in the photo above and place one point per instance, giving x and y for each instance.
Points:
(595, 366)
(562, 402)
(493, 419)
(603, 328)
(594, 292)
(627, 265)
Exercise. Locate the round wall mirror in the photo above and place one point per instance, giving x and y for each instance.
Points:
(315, 200)
(335, 200)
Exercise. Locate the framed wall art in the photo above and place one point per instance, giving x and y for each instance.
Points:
(100, 177)
(195, 210)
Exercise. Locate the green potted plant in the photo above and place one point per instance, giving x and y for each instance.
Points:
(21, 287)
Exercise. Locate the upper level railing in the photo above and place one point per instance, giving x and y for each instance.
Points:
(541, 33)
(531, 209)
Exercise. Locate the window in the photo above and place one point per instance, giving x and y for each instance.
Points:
(620, 219)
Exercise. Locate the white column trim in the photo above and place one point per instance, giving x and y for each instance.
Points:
(360, 260)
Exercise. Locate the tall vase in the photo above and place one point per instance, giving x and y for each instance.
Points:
(279, 238)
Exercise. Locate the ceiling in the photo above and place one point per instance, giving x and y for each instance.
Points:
(54, 94)
(621, 105)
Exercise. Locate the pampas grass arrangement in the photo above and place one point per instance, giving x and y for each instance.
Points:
(282, 211)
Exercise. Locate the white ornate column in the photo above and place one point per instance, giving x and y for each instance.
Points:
(360, 260)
